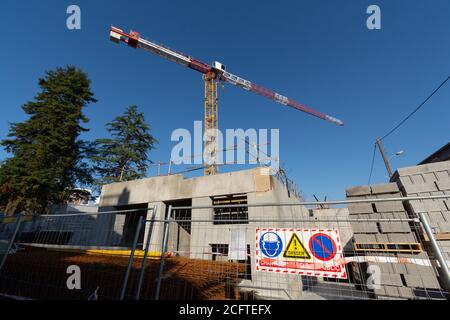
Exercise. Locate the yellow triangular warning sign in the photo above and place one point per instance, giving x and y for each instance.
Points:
(295, 249)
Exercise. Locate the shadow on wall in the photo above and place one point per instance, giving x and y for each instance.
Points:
(86, 229)
(126, 224)
(124, 197)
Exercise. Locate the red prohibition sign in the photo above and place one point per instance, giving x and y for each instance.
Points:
(322, 246)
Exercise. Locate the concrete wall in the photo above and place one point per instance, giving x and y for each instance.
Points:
(406, 281)
(169, 188)
(424, 180)
(428, 179)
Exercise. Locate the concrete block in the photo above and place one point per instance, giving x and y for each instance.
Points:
(385, 279)
(446, 215)
(372, 216)
(391, 279)
(388, 195)
(389, 215)
(407, 171)
(380, 291)
(400, 215)
(434, 205)
(396, 238)
(430, 281)
(396, 280)
(422, 255)
(429, 177)
(389, 206)
(444, 244)
(382, 238)
(424, 168)
(364, 238)
(447, 204)
(419, 188)
(357, 208)
(444, 226)
(410, 238)
(395, 227)
(443, 184)
(418, 178)
(358, 191)
(413, 281)
(401, 238)
(417, 206)
(399, 268)
(391, 291)
(415, 269)
(364, 227)
(385, 268)
(435, 217)
(384, 188)
(434, 226)
(442, 175)
(405, 292)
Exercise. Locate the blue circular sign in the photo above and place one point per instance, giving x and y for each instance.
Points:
(322, 247)
(271, 244)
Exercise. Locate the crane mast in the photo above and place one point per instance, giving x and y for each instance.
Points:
(211, 123)
(212, 74)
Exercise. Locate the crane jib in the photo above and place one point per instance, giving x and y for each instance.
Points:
(134, 40)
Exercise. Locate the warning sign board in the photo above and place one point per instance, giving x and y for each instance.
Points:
(311, 252)
(295, 249)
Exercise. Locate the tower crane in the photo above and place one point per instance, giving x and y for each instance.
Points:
(212, 74)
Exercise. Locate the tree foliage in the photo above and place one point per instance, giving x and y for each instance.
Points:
(124, 156)
(48, 158)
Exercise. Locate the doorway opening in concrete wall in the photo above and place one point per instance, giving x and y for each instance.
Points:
(131, 222)
(180, 231)
(220, 252)
(232, 215)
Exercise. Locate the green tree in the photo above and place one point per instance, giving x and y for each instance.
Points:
(48, 158)
(124, 156)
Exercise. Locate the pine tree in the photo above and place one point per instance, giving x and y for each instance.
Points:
(124, 156)
(48, 158)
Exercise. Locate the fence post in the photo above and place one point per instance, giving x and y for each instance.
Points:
(163, 250)
(144, 260)
(130, 261)
(11, 242)
(436, 250)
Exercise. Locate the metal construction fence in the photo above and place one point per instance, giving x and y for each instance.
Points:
(241, 251)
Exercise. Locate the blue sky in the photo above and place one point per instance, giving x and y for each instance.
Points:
(317, 52)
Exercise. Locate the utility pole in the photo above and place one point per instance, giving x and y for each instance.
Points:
(386, 161)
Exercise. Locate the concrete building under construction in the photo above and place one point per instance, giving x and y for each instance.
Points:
(212, 238)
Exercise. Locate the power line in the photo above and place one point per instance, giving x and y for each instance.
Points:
(373, 161)
(417, 109)
(403, 121)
